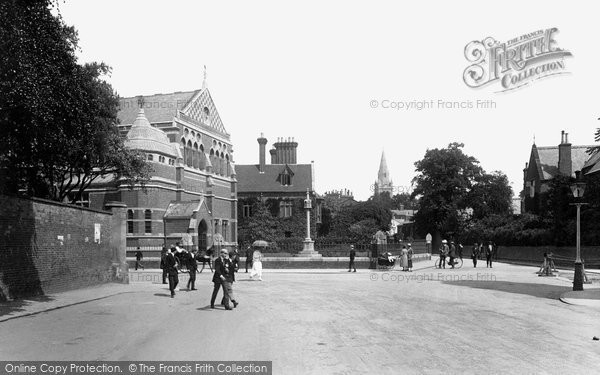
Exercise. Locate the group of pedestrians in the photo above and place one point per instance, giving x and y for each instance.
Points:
(406, 256)
(489, 250)
(175, 258)
(451, 250)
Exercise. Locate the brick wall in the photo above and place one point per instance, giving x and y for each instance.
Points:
(49, 247)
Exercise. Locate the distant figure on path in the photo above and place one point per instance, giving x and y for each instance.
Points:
(404, 256)
(138, 259)
(443, 253)
(352, 256)
(410, 254)
(452, 253)
(163, 256)
(192, 268)
(256, 265)
(171, 264)
(475, 254)
(489, 251)
(248, 258)
(235, 259)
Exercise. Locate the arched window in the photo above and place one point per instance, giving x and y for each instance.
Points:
(189, 157)
(148, 221)
(150, 157)
(196, 157)
(222, 164)
(183, 151)
(212, 159)
(129, 221)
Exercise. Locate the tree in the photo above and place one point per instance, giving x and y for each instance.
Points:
(57, 118)
(445, 177)
(403, 200)
(260, 226)
(491, 195)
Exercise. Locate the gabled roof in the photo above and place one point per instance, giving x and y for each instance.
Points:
(179, 210)
(593, 163)
(194, 106)
(250, 180)
(159, 107)
(546, 159)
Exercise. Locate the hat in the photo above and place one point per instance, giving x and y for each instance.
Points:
(352, 246)
(444, 241)
(409, 245)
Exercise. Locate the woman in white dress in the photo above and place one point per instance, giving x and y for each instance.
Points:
(256, 265)
(404, 257)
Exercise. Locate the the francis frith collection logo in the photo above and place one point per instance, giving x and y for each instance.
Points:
(514, 63)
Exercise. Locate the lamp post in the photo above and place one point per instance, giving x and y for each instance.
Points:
(578, 188)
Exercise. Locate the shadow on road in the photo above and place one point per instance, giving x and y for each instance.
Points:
(20, 304)
(162, 295)
(207, 308)
(531, 289)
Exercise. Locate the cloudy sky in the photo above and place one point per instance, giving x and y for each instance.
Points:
(314, 70)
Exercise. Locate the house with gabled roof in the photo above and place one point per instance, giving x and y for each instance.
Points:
(191, 195)
(282, 185)
(545, 163)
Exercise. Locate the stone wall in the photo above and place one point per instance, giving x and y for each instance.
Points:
(47, 247)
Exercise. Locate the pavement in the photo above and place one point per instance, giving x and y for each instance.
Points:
(590, 296)
(500, 320)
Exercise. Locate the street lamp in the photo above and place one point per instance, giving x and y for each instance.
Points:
(578, 188)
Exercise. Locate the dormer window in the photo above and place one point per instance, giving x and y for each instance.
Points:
(285, 176)
(285, 179)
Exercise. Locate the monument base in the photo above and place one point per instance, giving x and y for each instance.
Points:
(309, 250)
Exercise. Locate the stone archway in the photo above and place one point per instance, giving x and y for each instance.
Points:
(202, 236)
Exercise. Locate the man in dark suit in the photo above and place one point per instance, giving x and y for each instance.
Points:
(489, 251)
(248, 258)
(352, 256)
(224, 276)
(192, 267)
(163, 256)
(171, 266)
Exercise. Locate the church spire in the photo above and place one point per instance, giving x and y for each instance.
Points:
(383, 176)
(384, 183)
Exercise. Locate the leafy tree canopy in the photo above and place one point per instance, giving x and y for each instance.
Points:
(57, 118)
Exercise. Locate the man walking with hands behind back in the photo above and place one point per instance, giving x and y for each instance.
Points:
(224, 276)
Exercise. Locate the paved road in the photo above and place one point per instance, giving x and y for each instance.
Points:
(500, 320)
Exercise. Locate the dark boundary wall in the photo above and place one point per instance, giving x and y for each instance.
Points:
(589, 254)
(47, 246)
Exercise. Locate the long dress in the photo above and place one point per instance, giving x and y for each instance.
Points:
(256, 265)
(410, 253)
(404, 259)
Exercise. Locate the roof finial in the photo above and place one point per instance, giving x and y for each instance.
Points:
(534, 138)
(204, 81)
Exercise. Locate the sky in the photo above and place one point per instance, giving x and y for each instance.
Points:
(329, 73)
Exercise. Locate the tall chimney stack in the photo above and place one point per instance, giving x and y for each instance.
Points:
(565, 164)
(262, 142)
